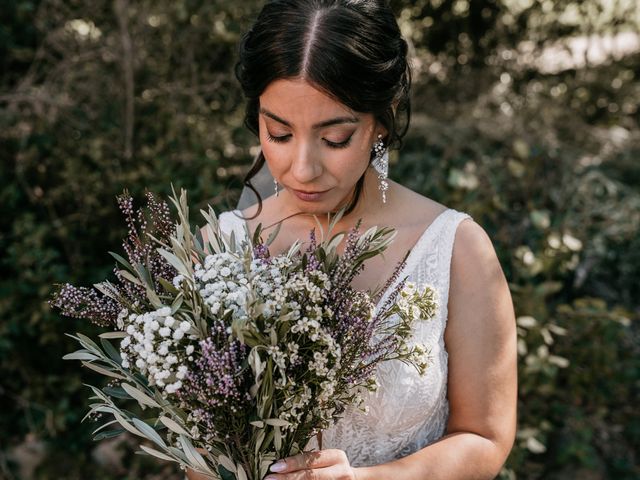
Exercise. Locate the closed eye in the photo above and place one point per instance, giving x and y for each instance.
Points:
(285, 138)
(281, 139)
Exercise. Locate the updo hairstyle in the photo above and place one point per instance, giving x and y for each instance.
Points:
(351, 50)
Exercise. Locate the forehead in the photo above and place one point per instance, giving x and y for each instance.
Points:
(297, 100)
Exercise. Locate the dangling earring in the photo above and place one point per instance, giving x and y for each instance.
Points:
(275, 184)
(381, 165)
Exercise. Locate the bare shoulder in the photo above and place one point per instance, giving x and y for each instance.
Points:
(477, 281)
(413, 208)
(480, 338)
(481, 316)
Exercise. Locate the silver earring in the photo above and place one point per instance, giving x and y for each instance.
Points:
(275, 184)
(381, 165)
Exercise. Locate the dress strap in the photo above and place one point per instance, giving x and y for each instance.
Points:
(445, 252)
(230, 221)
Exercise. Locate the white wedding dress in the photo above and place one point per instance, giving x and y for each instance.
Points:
(408, 411)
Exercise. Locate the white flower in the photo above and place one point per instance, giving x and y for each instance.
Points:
(172, 359)
(178, 334)
(165, 331)
(185, 326)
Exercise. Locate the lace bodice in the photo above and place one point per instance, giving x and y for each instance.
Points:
(408, 411)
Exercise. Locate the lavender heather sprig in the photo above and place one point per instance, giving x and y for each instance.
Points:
(86, 303)
(139, 246)
(217, 385)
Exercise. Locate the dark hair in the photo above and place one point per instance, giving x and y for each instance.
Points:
(352, 50)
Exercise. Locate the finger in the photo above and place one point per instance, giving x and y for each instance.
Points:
(333, 472)
(310, 460)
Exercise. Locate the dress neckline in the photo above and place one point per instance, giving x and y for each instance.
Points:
(410, 258)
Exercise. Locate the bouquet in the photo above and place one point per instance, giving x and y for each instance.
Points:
(235, 357)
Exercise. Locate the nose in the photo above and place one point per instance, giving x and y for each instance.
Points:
(306, 165)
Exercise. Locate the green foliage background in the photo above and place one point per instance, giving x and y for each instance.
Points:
(97, 96)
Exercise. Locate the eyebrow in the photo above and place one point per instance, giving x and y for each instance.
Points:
(325, 123)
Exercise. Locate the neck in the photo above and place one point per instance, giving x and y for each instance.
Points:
(367, 208)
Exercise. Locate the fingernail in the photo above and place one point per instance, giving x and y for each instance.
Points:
(278, 467)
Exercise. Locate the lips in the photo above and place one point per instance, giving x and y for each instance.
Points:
(310, 196)
(310, 192)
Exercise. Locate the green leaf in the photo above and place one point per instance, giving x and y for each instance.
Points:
(192, 454)
(108, 434)
(242, 475)
(149, 432)
(174, 426)
(177, 303)
(168, 286)
(174, 261)
(116, 392)
(122, 261)
(227, 463)
(113, 335)
(87, 342)
(156, 453)
(142, 398)
(154, 299)
(103, 371)
(274, 234)
(111, 351)
(126, 425)
(129, 277)
(80, 355)
(277, 422)
(277, 438)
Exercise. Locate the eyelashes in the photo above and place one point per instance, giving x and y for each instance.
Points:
(285, 139)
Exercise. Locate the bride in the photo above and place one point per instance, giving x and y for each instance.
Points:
(327, 87)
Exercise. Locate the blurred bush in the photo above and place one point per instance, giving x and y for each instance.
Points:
(525, 116)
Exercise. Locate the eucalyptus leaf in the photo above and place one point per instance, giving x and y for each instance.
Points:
(153, 298)
(80, 355)
(277, 422)
(130, 277)
(168, 286)
(274, 234)
(227, 463)
(103, 426)
(242, 475)
(277, 438)
(156, 453)
(174, 426)
(192, 454)
(141, 397)
(149, 432)
(87, 342)
(117, 392)
(126, 425)
(122, 261)
(108, 434)
(103, 371)
(112, 335)
(111, 351)
(174, 261)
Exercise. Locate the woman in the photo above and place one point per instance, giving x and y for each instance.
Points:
(327, 84)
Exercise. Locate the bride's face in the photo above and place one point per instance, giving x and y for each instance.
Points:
(315, 146)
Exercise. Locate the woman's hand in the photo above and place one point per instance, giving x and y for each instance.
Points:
(330, 464)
